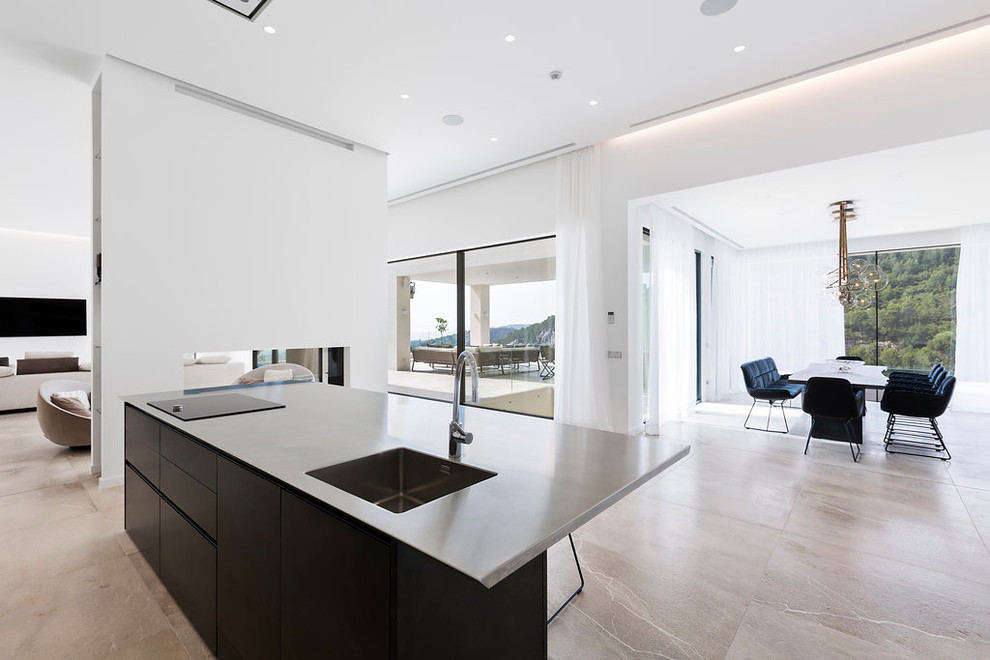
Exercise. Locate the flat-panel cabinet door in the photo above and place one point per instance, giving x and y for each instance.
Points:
(189, 572)
(248, 560)
(141, 515)
(335, 586)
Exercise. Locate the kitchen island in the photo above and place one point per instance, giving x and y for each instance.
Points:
(269, 561)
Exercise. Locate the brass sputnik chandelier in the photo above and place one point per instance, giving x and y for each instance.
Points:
(855, 281)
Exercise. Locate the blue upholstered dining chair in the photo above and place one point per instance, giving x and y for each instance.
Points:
(764, 383)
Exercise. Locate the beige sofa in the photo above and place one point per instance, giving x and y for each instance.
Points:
(20, 392)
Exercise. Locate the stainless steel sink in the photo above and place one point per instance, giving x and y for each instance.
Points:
(400, 479)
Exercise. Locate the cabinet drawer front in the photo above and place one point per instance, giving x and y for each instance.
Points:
(141, 515)
(142, 456)
(193, 458)
(139, 426)
(189, 572)
(193, 498)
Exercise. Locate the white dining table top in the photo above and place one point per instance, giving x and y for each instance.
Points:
(859, 375)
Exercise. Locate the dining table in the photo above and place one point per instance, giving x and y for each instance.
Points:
(859, 375)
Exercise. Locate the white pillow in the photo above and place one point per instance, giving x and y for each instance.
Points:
(76, 395)
(30, 355)
(6, 371)
(213, 359)
(85, 366)
(186, 361)
(277, 375)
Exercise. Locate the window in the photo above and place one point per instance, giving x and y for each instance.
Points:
(498, 303)
(912, 324)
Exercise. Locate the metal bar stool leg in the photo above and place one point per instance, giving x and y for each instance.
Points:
(579, 589)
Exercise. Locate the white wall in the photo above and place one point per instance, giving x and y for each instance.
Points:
(515, 205)
(929, 92)
(35, 265)
(220, 230)
(44, 189)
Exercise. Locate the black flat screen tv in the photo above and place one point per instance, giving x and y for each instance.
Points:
(42, 317)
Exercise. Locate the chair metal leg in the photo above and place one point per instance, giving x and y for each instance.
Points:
(808, 443)
(767, 428)
(579, 589)
(856, 454)
(912, 436)
(746, 423)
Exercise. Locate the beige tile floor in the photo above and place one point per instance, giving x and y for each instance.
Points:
(750, 549)
(70, 583)
(746, 549)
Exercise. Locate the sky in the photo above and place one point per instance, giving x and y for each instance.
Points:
(511, 304)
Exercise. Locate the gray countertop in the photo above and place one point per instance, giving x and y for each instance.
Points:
(552, 478)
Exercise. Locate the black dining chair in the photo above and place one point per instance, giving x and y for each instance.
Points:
(911, 420)
(836, 412)
(850, 358)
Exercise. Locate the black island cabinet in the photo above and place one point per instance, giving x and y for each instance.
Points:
(264, 571)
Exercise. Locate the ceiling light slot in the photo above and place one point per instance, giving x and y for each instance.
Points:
(484, 172)
(257, 113)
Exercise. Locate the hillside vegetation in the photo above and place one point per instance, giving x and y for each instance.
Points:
(914, 323)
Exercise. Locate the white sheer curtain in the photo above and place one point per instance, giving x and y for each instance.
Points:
(581, 381)
(786, 316)
(728, 311)
(769, 302)
(673, 367)
(973, 320)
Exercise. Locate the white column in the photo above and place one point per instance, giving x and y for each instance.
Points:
(480, 318)
(402, 334)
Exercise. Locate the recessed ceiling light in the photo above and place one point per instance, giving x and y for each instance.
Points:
(452, 120)
(269, 29)
(592, 102)
(740, 48)
(403, 96)
(509, 38)
(716, 7)
(493, 139)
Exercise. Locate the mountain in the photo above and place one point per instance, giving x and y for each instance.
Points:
(534, 334)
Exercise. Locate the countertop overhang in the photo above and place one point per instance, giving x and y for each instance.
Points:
(552, 478)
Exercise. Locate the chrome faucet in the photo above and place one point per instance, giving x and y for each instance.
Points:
(458, 436)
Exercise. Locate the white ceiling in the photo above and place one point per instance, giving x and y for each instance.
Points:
(341, 66)
(937, 184)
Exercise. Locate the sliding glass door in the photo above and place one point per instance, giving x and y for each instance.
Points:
(497, 302)
(423, 326)
(510, 296)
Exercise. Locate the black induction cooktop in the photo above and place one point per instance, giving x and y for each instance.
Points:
(218, 405)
